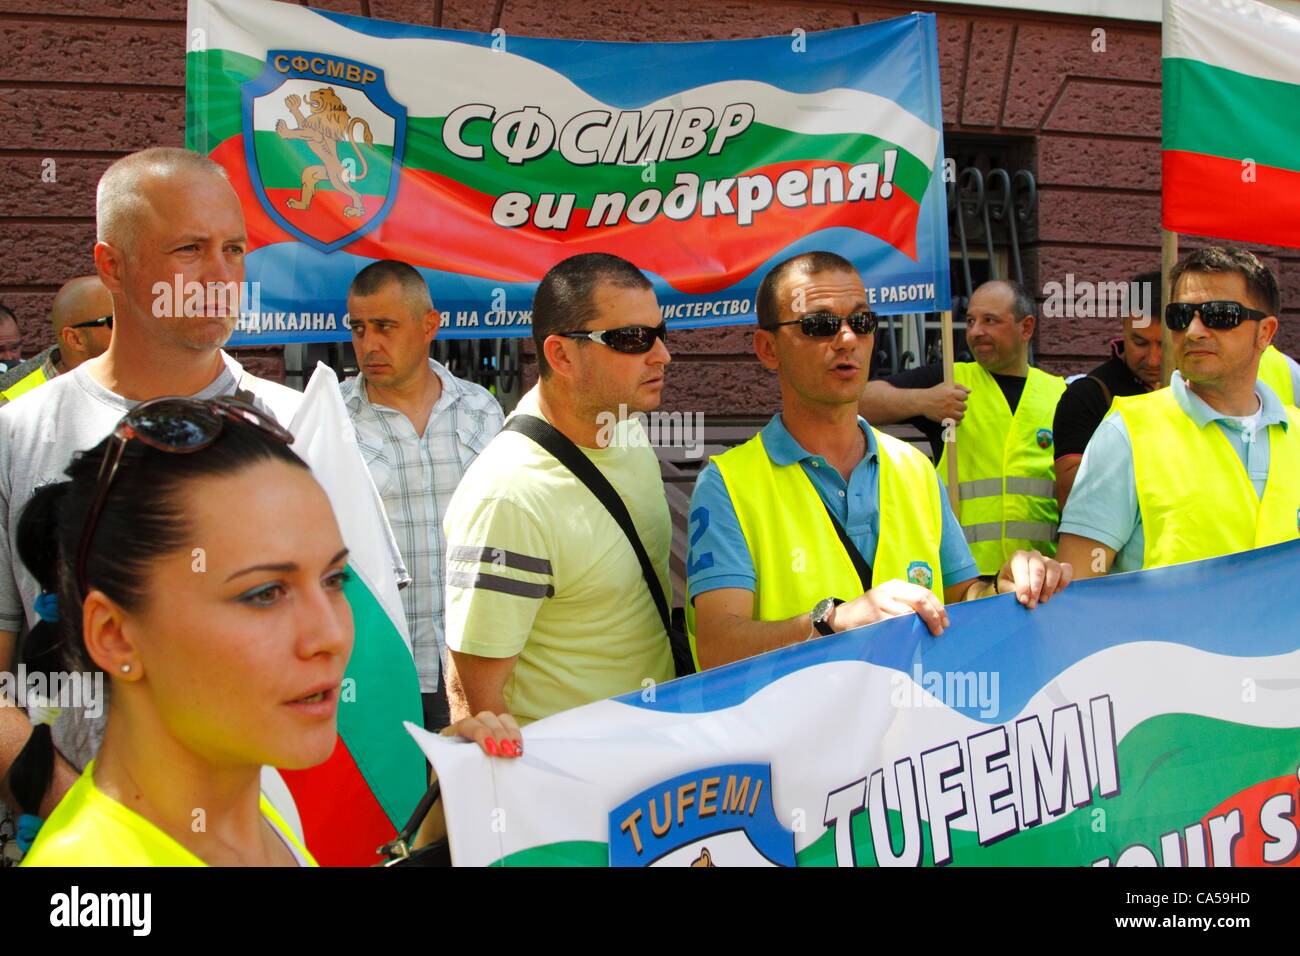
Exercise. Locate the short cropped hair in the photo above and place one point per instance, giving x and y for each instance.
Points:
(7, 315)
(767, 301)
(1261, 284)
(119, 201)
(415, 291)
(1022, 303)
(565, 300)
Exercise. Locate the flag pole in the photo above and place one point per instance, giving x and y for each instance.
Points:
(1168, 256)
(954, 495)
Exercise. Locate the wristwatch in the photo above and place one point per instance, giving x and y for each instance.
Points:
(820, 612)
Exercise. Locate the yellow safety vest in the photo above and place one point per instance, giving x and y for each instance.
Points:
(25, 384)
(1275, 372)
(798, 557)
(1196, 499)
(1006, 470)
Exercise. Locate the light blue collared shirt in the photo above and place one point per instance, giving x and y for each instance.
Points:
(1103, 504)
(719, 556)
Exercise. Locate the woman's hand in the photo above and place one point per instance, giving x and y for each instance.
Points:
(497, 734)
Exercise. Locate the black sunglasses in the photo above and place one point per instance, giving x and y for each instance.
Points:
(104, 320)
(822, 325)
(632, 339)
(178, 425)
(1214, 315)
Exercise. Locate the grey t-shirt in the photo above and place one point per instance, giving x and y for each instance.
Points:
(39, 433)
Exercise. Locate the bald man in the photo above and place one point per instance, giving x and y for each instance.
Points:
(163, 216)
(82, 316)
(1002, 410)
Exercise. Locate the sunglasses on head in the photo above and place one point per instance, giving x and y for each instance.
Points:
(178, 425)
(1214, 315)
(104, 320)
(821, 325)
(632, 339)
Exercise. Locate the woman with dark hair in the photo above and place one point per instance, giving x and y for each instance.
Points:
(198, 565)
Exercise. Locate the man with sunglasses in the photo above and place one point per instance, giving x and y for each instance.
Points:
(547, 607)
(1208, 466)
(821, 523)
(164, 218)
(1005, 469)
(82, 316)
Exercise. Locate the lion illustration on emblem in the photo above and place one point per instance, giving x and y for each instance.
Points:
(328, 125)
(704, 859)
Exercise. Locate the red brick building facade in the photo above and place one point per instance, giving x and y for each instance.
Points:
(85, 82)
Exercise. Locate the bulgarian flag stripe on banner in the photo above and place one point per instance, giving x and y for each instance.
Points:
(702, 163)
(1232, 120)
(1130, 722)
(358, 799)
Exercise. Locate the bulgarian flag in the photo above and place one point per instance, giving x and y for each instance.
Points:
(1232, 120)
(357, 800)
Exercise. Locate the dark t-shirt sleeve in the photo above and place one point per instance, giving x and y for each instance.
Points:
(1081, 408)
(923, 376)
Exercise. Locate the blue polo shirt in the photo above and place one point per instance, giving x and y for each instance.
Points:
(1103, 504)
(719, 556)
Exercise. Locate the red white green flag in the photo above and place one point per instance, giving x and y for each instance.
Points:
(1232, 120)
(358, 799)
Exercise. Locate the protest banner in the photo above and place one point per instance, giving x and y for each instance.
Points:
(357, 800)
(484, 159)
(1231, 134)
(1142, 719)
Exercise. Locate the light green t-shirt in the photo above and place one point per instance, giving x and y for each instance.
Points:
(90, 828)
(536, 567)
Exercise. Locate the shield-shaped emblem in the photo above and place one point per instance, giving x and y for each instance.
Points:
(714, 816)
(323, 144)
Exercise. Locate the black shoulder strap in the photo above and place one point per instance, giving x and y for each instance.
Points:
(859, 562)
(568, 454)
(1105, 389)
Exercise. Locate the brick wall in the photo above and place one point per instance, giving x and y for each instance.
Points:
(87, 81)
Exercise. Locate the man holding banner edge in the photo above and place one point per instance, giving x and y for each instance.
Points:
(820, 458)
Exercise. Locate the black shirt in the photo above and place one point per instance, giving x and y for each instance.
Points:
(1084, 404)
(928, 376)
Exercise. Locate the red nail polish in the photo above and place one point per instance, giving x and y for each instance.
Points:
(507, 748)
(490, 745)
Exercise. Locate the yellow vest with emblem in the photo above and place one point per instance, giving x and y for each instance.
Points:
(798, 557)
(1275, 372)
(1193, 492)
(1006, 471)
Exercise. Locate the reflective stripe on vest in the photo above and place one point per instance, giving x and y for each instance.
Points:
(1006, 477)
(1275, 372)
(1194, 494)
(799, 559)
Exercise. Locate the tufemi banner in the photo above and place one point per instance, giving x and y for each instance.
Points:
(1144, 719)
(484, 159)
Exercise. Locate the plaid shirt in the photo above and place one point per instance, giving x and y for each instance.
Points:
(416, 475)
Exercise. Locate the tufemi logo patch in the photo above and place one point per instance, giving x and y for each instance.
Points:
(1044, 438)
(716, 816)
